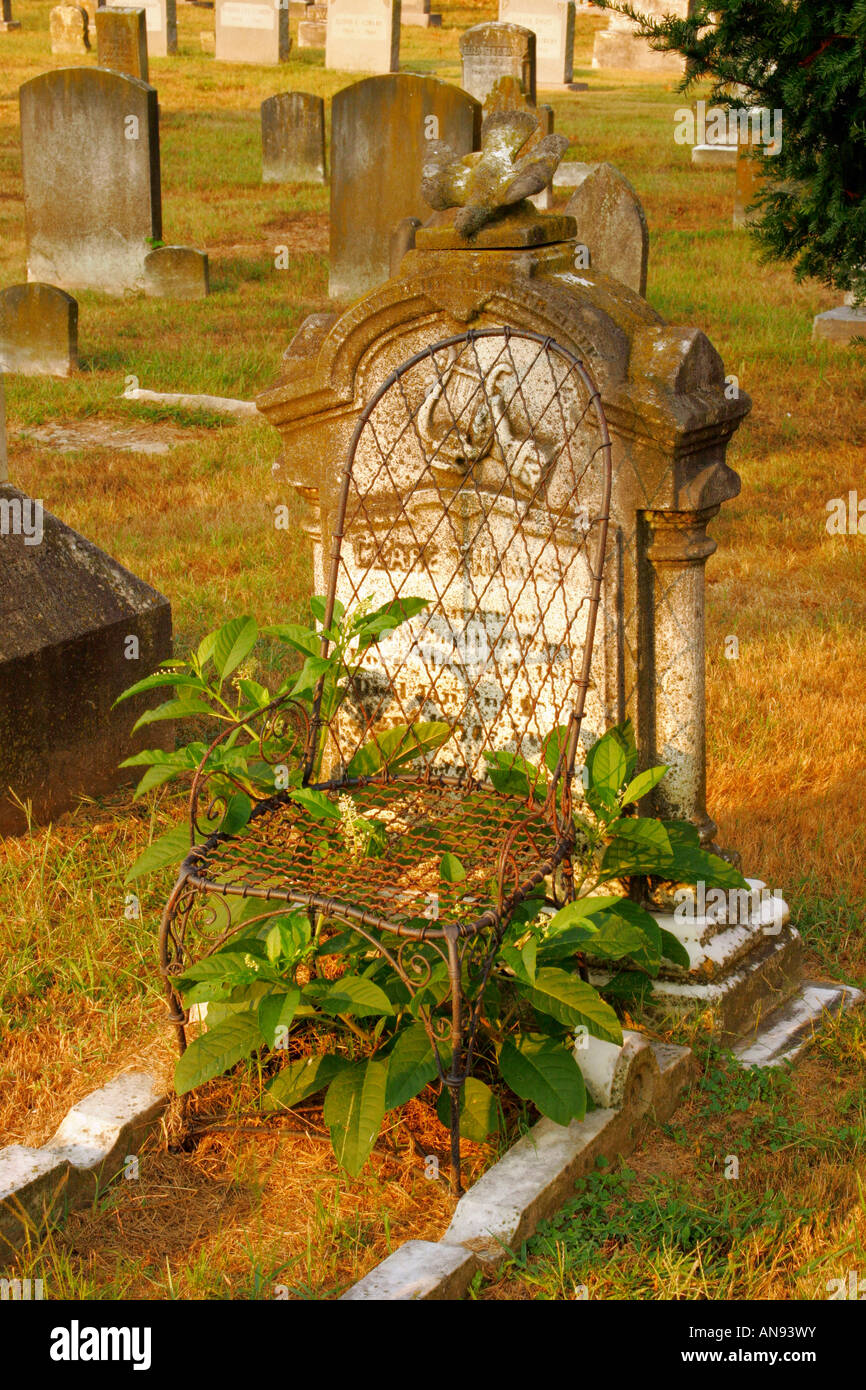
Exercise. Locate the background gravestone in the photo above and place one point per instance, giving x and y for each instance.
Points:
(121, 41)
(552, 23)
(293, 138)
(491, 51)
(38, 331)
(619, 46)
(417, 12)
(249, 32)
(7, 23)
(161, 25)
(76, 629)
(67, 26)
(363, 36)
(313, 28)
(380, 131)
(611, 223)
(176, 272)
(90, 165)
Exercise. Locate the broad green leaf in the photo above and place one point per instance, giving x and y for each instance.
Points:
(310, 674)
(216, 1050)
(577, 911)
(643, 783)
(233, 966)
(317, 804)
(522, 961)
(554, 744)
(616, 938)
(479, 1112)
(170, 848)
(255, 695)
(205, 648)
(237, 813)
(354, 1110)
(573, 1002)
(673, 949)
(160, 679)
(233, 644)
(607, 765)
(301, 1079)
(544, 1071)
(411, 1065)
(172, 709)
(352, 994)
(450, 869)
(277, 1011)
(644, 831)
(302, 639)
(398, 746)
(156, 776)
(319, 607)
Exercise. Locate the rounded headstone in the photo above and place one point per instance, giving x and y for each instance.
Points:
(611, 223)
(493, 51)
(68, 28)
(293, 138)
(38, 330)
(176, 272)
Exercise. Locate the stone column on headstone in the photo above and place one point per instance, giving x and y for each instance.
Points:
(620, 46)
(38, 330)
(121, 40)
(363, 36)
(293, 138)
(68, 29)
(491, 51)
(7, 23)
(90, 167)
(160, 22)
(611, 224)
(251, 31)
(552, 22)
(381, 131)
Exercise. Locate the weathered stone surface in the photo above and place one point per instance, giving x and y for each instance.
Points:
(38, 330)
(251, 31)
(571, 174)
(619, 1077)
(619, 46)
(68, 29)
(841, 325)
(293, 138)
(68, 617)
(381, 130)
(121, 41)
(552, 22)
(611, 224)
(507, 95)
(783, 1035)
(90, 164)
(312, 33)
(176, 272)
(420, 1269)
(160, 23)
(418, 13)
(7, 23)
(491, 51)
(363, 36)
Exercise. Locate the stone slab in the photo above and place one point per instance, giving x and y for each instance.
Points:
(312, 34)
(611, 223)
(840, 325)
(176, 272)
(714, 156)
(787, 1032)
(121, 40)
(531, 229)
(420, 1269)
(552, 22)
(619, 46)
(160, 17)
(67, 26)
(38, 331)
(489, 52)
(293, 138)
(90, 165)
(363, 36)
(251, 31)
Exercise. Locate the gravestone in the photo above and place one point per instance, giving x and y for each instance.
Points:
(7, 23)
(121, 41)
(293, 138)
(842, 324)
(76, 629)
(251, 31)
(313, 28)
(160, 23)
(90, 165)
(381, 130)
(620, 46)
(68, 29)
(363, 36)
(491, 51)
(38, 331)
(612, 225)
(552, 23)
(176, 272)
(417, 13)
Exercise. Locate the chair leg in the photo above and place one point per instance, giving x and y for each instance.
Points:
(167, 949)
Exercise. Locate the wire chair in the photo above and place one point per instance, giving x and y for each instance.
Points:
(478, 478)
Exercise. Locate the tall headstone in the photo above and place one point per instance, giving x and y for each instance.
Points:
(620, 46)
(121, 41)
(552, 23)
(7, 23)
(251, 31)
(611, 224)
(38, 331)
(293, 138)
(90, 165)
(380, 132)
(363, 36)
(160, 22)
(68, 29)
(491, 51)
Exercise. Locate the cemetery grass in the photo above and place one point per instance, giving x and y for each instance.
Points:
(79, 992)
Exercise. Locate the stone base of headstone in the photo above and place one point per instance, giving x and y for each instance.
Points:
(312, 34)
(78, 630)
(176, 272)
(7, 25)
(38, 331)
(714, 156)
(840, 325)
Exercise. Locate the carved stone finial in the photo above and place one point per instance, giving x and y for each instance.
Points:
(511, 165)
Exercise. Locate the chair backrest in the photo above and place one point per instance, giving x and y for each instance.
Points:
(478, 477)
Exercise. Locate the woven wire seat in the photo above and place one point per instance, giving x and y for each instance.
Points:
(478, 479)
